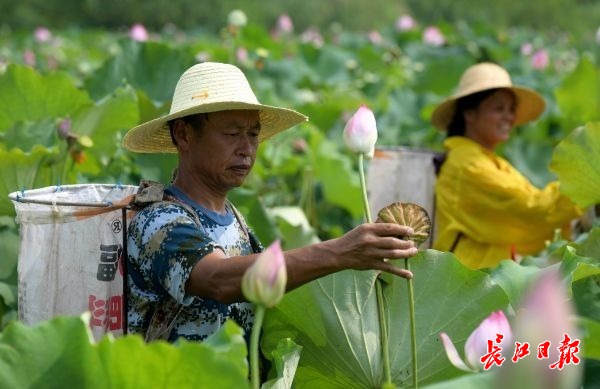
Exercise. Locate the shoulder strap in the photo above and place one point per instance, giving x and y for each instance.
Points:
(254, 243)
(164, 317)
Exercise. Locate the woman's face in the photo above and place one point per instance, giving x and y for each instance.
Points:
(491, 122)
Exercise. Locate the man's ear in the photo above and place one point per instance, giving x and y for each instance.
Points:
(181, 134)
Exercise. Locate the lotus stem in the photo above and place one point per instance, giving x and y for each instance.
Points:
(254, 337)
(379, 293)
(413, 327)
(363, 186)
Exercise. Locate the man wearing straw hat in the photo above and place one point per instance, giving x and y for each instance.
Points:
(486, 210)
(187, 256)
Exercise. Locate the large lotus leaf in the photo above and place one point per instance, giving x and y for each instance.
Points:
(219, 362)
(285, 360)
(9, 241)
(591, 337)
(586, 289)
(531, 155)
(331, 105)
(278, 83)
(21, 171)
(152, 67)
(579, 95)
(58, 354)
(336, 175)
(576, 161)
(8, 292)
(335, 321)
(294, 227)
(25, 95)
(105, 123)
(25, 135)
(118, 111)
(441, 74)
(570, 258)
(590, 247)
(331, 65)
(54, 354)
(514, 279)
(469, 381)
(147, 109)
(251, 206)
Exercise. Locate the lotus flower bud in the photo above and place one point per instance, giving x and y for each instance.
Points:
(138, 32)
(264, 282)
(360, 133)
(476, 346)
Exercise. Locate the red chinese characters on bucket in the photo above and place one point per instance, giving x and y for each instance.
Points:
(568, 349)
(107, 312)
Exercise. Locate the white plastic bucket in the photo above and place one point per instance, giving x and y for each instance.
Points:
(71, 243)
(402, 174)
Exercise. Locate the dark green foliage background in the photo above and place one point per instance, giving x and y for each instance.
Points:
(579, 17)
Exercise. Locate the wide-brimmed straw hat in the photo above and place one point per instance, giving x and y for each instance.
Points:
(484, 76)
(209, 87)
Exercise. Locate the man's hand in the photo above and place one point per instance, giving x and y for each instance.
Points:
(369, 245)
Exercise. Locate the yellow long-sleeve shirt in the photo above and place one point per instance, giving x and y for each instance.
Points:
(494, 207)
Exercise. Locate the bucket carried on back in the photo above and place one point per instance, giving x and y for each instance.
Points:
(71, 253)
(403, 174)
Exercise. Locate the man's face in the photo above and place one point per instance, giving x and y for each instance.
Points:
(223, 151)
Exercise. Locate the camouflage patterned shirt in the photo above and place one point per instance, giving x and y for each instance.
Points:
(164, 243)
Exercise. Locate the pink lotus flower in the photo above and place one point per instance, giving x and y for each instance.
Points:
(29, 57)
(241, 54)
(264, 282)
(433, 36)
(284, 25)
(540, 59)
(42, 35)
(375, 37)
(477, 343)
(138, 33)
(526, 48)
(64, 128)
(405, 23)
(545, 317)
(312, 35)
(360, 133)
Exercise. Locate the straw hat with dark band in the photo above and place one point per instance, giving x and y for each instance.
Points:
(209, 87)
(484, 76)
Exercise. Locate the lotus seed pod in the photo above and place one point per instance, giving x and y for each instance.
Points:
(408, 214)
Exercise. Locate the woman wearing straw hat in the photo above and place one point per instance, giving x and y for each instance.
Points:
(486, 210)
(187, 255)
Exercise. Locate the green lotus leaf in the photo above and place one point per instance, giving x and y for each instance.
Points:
(152, 67)
(578, 99)
(25, 95)
(58, 354)
(22, 171)
(576, 161)
(335, 320)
